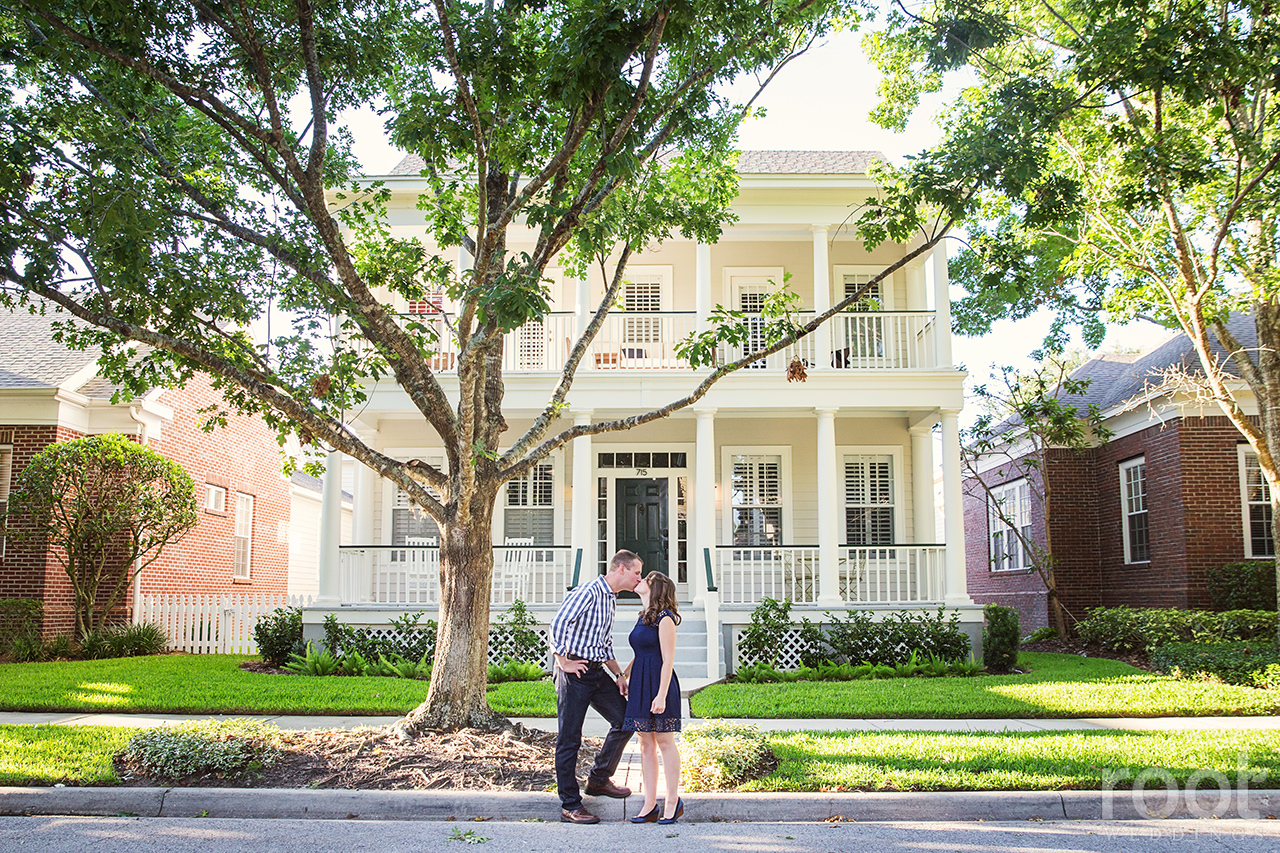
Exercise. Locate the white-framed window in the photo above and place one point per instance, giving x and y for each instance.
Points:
(529, 507)
(244, 536)
(6, 473)
(870, 499)
(1133, 510)
(215, 498)
(410, 523)
(850, 278)
(1008, 514)
(757, 497)
(1255, 503)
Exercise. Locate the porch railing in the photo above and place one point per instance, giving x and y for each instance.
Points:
(889, 574)
(410, 575)
(646, 340)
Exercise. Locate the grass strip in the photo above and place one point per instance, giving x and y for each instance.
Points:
(1034, 761)
(1057, 686)
(72, 755)
(524, 698)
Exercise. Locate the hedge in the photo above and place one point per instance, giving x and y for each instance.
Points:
(1130, 629)
(1250, 585)
(1253, 664)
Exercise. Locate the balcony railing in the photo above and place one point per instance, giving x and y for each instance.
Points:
(400, 575)
(889, 574)
(646, 340)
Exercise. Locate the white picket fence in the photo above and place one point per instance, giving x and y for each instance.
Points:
(211, 624)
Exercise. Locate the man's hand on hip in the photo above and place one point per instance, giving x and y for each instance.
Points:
(572, 667)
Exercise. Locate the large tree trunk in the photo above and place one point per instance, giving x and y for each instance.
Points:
(457, 698)
(1266, 320)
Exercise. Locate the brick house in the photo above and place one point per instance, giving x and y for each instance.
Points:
(1138, 520)
(50, 393)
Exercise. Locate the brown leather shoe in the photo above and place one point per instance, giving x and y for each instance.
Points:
(578, 815)
(607, 789)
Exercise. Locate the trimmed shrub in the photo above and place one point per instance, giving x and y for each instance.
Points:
(1248, 585)
(717, 756)
(1141, 629)
(1000, 638)
(200, 747)
(860, 638)
(277, 633)
(1254, 664)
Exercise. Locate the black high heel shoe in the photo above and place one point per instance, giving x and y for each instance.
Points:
(651, 817)
(676, 816)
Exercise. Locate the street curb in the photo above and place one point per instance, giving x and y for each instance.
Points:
(303, 804)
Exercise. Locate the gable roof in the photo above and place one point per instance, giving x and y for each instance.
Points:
(749, 163)
(31, 358)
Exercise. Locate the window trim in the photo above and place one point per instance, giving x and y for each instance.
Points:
(6, 485)
(839, 271)
(556, 507)
(236, 574)
(729, 292)
(1125, 515)
(1243, 451)
(727, 452)
(210, 489)
(900, 514)
(665, 273)
(1019, 483)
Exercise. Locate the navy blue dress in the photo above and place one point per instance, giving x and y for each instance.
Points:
(646, 678)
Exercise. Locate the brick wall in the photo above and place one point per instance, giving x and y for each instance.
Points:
(243, 457)
(1193, 499)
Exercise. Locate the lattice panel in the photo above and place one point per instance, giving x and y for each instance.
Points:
(788, 651)
(502, 647)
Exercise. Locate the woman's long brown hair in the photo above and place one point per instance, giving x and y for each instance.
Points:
(662, 596)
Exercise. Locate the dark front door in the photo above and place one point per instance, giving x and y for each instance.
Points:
(642, 521)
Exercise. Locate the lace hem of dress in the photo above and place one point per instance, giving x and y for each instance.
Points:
(651, 724)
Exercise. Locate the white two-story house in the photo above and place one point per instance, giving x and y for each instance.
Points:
(819, 491)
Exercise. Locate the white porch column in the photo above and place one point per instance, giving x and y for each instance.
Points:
(704, 503)
(582, 303)
(821, 297)
(956, 591)
(917, 298)
(828, 515)
(942, 303)
(331, 532)
(362, 497)
(581, 535)
(922, 481)
(702, 284)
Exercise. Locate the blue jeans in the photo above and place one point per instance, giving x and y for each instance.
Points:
(594, 688)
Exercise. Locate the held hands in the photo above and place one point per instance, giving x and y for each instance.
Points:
(623, 686)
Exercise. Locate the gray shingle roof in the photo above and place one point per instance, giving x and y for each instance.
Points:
(30, 357)
(752, 163)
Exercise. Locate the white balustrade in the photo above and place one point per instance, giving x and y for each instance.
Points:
(410, 575)
(802, 349)
(883, 339)
(747, 575)
(892, 574)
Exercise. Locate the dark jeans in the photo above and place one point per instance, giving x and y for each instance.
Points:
(597, 689)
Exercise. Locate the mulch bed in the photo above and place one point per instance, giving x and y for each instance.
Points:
(516, 759)
(1092, 650)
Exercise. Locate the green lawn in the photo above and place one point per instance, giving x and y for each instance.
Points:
(929, 761)
(524, 698)
(46, 755)
(1057, 686)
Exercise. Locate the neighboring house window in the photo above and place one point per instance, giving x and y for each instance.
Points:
(869, 500)
(1009, 514)
(530, 507)
(1133, 500)
(757, 500)
(215, 498)
(244, 536)
(6, 469)
(1256, 500)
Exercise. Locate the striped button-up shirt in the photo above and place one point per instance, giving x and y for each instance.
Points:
(584, 625)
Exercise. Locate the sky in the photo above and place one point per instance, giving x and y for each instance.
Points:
(821, 101)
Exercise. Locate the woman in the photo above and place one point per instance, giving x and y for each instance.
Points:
(653, 703)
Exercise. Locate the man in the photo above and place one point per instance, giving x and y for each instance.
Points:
(587, 674)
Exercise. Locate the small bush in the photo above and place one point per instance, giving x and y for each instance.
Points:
(1254, 664)
(277, 633)
(1130, 629)
(406, 638)
(1249, 585)
(1000, 638)
(141, 639)
(1045, 632)
(762, 639)
(716, 756)
(513, 635)
(27, 648)
(61, 648)
(20, 617)
(860, 637)
(312, 662)
(200, 747)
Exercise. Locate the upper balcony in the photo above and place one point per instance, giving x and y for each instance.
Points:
(640, 340)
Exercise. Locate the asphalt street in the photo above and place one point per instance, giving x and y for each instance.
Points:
(209, 835)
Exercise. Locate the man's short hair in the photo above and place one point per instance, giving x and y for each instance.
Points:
(623, 559)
